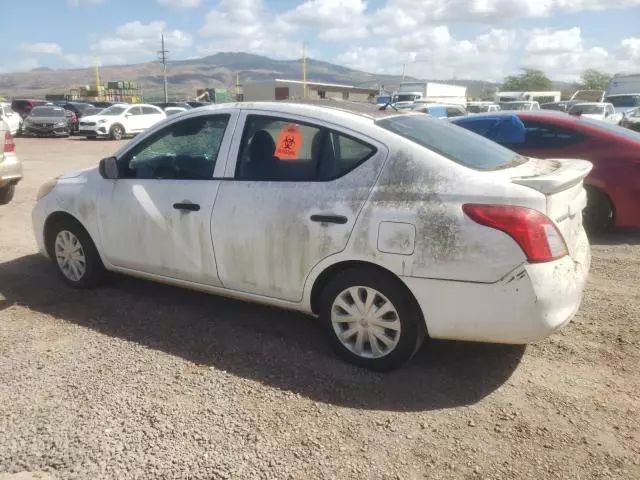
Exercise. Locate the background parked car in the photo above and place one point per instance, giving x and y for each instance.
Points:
(10, 166)
(613, 186)
(164, 105)
(631, 120)
(47, 121)
(103, 104)
(174, 110)
(559, 106)
(520, 106)
(11, 118)
(121, 120)
(23, 107)
(196, 104)
(92, 111)
(439, 110)
(597, 111)
(78, 109)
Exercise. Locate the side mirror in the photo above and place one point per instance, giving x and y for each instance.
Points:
(108, 168)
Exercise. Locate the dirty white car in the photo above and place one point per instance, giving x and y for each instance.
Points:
(10, 165)
(389, 229)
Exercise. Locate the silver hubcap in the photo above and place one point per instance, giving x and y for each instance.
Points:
(70, 256)
(366, 322)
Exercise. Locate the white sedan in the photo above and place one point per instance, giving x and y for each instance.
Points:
(388, 229)
(120, 120)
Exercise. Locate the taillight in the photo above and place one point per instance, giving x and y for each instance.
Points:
(534, 232)
(9, 144)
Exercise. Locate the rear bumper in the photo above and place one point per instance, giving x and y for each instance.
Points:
(527, 305)
(10, 169)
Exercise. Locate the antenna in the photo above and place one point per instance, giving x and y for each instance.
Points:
(163, 58)
(304, 70)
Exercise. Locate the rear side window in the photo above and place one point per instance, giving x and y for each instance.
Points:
(451, 141)
(541, 135)
(275, 149)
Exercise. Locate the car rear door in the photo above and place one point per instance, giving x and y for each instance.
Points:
(295, 187)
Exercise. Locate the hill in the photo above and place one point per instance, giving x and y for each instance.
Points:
(185, 76)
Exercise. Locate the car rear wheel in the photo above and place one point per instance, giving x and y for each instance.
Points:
(74, 255)
(371, 319)
(6, 194)
(117, 132)
(598, 215)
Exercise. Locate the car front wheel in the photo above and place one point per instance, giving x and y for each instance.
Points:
(74, 255)
(117, 132)
(372, 319)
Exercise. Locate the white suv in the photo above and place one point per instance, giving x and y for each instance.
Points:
(120, 120)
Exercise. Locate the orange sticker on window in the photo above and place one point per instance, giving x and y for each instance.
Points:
(288, 143)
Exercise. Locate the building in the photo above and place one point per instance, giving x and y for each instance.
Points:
(294, 90)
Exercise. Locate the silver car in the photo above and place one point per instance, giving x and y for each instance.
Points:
(10, 166)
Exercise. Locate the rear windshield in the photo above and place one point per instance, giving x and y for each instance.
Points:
(453, 142)
(47, 112)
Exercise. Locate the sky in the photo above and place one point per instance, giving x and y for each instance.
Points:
(464, 39)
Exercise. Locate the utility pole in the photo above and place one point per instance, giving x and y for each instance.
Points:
(163, 58)
(403, 66)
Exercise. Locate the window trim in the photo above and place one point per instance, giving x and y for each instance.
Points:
(241, 132)
(153, 135)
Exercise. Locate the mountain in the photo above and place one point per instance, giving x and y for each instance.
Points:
(185, 76)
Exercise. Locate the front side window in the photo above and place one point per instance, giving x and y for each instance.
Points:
(134, 111)
(114, 110)
(454, 112)
(275, 149)
(455, 143)
(186, 150)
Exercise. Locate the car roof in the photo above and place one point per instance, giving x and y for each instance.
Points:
(334, 111)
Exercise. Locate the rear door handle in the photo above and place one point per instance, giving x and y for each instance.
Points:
(188, 206)
(339, 219)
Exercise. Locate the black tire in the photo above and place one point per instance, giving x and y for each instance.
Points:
(116, 132)
(94, 273)
(412, 325)
(598, 215)
(6, 194)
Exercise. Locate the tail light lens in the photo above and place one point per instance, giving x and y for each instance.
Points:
(9, 144)
(534, 232)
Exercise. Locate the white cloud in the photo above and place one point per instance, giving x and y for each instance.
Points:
(396, 15)
(563, 55)
(42, 47)
(180, 3)
(432, 52)
(137, 41)
(246, 25)
(337, 19)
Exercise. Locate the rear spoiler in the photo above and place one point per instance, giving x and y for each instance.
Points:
(568, 174)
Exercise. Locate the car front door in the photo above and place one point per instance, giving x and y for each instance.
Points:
(155, 218)
(295, 189)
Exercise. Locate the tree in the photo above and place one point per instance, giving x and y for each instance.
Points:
(529, 80)
(592, 79)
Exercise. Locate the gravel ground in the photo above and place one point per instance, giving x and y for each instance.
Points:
(138, 380)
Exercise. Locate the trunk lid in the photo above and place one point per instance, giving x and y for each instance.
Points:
(561, 181)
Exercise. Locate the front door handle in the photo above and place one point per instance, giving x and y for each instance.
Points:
(188, 206)
(339, 219)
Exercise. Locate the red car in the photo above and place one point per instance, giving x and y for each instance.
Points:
(613, 186)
